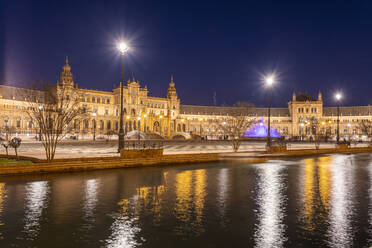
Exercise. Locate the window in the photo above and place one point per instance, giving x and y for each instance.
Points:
(18, 123)
(98, 100)
(83, 98)
(108, 101)
(93, 99)
(106, 111)
(6, 123)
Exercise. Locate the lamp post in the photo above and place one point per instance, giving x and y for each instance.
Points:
(338, 97)
(40, 109)
(94, 125)
(200, 127)
(269, 80)
(139, 127)
(144, 123)
(160, 117)
(123, 48)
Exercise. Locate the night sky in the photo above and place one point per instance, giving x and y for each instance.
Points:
(209, 46)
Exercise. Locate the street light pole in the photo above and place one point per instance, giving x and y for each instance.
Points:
(94, 126)
(268, 116)
(338, 98)
(269, 80)
(123, 48)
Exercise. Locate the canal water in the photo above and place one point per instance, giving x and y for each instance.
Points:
(323, 201)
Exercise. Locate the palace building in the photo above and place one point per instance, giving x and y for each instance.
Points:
(168, 118)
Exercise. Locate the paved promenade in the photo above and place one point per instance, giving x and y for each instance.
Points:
(75, 149)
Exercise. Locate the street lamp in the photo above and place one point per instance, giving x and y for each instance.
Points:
(40, 109)
(338, 97)
(139, 128)
(161, 117)
(144, 123)
(123, 48)
(94, 125)
(269, 81)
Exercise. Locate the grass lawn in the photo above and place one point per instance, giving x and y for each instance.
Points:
(4, 161)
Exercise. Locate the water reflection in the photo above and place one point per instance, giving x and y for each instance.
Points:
(223, 186)
(2, 199)
(271, 206)
(190, 200)
(316, 185)
(90, 201)
(341, 210)
(36, 201)
(309, 193)
(124, 231)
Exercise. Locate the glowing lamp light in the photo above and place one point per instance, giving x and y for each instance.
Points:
(94, 114)
(200, 119)
(270, 80)
(139, 118)
(161, 117)
(123, 47)
(338, 96)
(128, 117)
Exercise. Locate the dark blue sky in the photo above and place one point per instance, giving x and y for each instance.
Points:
(208, 46)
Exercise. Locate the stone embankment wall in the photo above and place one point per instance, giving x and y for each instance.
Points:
(84, 164)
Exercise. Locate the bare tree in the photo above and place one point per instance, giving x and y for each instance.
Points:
(9, 132)
(15, 143)
(365, 127)
(318, 131)
(5, 144)
(53, 109)
(234, 126)
(110, 133)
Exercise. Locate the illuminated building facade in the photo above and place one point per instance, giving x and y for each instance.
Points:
(168, 118)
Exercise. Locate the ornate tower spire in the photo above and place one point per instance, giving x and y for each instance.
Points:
(172, 89)
(66, 78)
(294, 97)
(320, 96)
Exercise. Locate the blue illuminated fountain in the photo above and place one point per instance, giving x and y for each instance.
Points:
(260, 131)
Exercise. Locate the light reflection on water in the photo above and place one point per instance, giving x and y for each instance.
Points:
(2, 199)
(90, 201)
(341, 211)
(36, 201)
(223, 187)
(271, 206)
(312, 201)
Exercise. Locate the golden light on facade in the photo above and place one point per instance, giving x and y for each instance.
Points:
(128, 117)
(139, 118)
(145, 115)
(161, 117)
(200, 119)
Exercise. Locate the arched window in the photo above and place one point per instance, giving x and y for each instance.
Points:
(108, 125)
(183, 128)
(179, 128)
(116, 125)
(102, 125)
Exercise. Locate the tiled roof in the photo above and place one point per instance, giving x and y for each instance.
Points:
(249, 111)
